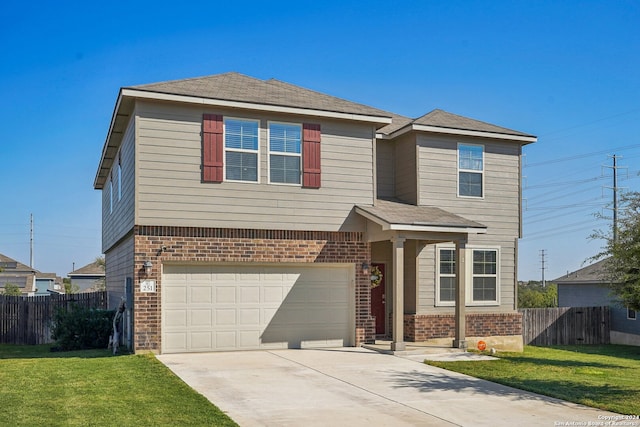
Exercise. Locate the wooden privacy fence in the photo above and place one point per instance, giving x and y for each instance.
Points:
(566, 325)
(27, 320)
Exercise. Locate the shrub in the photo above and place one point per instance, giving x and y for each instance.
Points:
(81, 328)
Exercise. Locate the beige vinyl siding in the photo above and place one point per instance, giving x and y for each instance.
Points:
(385, 169)
(499, 209)
(170, 191)
(120, 221)
(119, 265)
(406, 169)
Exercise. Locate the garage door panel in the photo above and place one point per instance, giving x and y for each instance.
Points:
(234, 307)
(225, 317)
(225, 340)
(201, 317)
(249, 294)
(201, 341)
(225, 294)
(175, 318)
(201, 294)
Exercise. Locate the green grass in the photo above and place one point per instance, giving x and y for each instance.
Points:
(94, 388)
(601, 376)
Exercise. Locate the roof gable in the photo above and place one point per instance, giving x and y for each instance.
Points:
(594, 273)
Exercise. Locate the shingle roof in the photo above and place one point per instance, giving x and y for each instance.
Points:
(91, 269)
(238, 87)
(19, 267)
(594, 273)
(393, 212)
(440, 118)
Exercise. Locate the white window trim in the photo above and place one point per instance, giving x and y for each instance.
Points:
(279, 153)
(111, 193)
(440, 303)
(119, 176)
(629, 310)
(240, 150)
(470, 171)
(470, 302)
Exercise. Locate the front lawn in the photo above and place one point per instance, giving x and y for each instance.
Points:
(94, 388)
(601, 376)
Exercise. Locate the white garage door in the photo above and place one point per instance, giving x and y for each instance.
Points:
(214, 308)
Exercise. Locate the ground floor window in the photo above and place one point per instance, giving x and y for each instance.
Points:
(631, 314)
(482, 273)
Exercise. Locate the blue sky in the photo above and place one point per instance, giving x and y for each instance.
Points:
(564, 71)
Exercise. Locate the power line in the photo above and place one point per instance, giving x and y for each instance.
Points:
(581, 156)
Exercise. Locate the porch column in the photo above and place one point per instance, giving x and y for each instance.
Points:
(397, 342)
(461, 286)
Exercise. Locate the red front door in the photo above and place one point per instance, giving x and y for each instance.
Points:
(378, 302)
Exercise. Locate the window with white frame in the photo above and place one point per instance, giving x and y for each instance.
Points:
(111, 193)
(485, 275)
(631, 314)
(285, 153)
(470, 170)
(482, 288)
(446, 286)
(241, 149)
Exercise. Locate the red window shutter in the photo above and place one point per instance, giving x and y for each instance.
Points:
(212, 149)
(311, 155)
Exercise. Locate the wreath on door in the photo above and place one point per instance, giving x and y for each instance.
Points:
(376, 276)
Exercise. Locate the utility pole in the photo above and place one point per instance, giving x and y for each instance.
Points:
(615, 189)
(542, 255)
(31, 243)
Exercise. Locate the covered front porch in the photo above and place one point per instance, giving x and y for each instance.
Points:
(398, 232)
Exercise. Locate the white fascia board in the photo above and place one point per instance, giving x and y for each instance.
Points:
(493, 135)
(253, 106)
(438, 229)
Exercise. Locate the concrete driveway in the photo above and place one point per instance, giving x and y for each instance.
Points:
(358, 387)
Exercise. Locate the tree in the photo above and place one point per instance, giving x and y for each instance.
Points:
(622, 252)
(534, 295)
(12, 290)
(70, 288)
(100, 284)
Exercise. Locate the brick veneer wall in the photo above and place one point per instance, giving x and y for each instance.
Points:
(193, 244)
(420, 327)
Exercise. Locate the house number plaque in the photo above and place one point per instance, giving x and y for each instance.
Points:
(148, 286)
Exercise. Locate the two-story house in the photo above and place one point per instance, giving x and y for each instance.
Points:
(241, 213)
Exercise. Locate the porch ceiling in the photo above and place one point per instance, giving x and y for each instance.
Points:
(397, 216)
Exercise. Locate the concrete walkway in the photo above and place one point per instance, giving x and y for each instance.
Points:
(358, 387)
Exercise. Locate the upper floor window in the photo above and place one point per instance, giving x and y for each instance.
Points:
(470, 170)
(285, 153)
(241, 149)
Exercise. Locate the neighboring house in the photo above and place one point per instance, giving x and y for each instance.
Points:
(587, 287)
(241, 213)
(18, 274)
(48, 283)
(89, 278)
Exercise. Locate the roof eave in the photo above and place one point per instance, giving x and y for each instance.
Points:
(524, 139)
(136, 93)
(98, 182)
